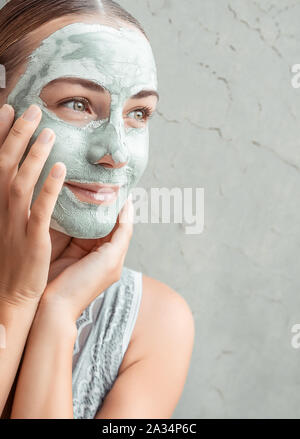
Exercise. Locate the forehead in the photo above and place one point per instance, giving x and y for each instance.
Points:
(117, 59)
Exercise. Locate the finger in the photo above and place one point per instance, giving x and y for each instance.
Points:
(42, 209)
(122, 236)
(21, 190)
(6, 120)
(112, 253)
(59, 242)
(96, 271)
(16, 143)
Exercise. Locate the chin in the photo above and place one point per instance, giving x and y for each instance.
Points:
(89, 232)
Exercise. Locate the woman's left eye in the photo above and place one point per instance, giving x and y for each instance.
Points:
(141, 114)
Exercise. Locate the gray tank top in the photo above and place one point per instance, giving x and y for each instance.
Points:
(104, 331)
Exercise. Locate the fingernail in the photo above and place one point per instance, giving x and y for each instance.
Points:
(58, 170)
(31, 113)
(5, 113)
(46, 135)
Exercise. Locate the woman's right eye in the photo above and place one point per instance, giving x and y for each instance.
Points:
(79, 105)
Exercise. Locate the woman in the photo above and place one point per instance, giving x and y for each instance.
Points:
(86, 337)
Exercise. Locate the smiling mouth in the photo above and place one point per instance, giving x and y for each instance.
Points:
(100, 194)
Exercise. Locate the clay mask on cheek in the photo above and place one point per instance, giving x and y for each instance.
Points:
(119, 60)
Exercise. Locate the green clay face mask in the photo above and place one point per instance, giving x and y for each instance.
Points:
(120, 61)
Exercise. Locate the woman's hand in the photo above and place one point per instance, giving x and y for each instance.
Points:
(87, 267)
(24, 234)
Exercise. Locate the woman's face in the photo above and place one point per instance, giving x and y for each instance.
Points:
(96, 86)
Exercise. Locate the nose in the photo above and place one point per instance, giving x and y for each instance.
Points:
(108, 162)
(107, 146)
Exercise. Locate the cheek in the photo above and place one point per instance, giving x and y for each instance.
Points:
(68, 148)
(69, 142)
(138, 146)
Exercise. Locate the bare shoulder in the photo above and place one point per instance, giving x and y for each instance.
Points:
(154, 369)
(164, 320)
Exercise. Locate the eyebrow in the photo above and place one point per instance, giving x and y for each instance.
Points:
(83, 82)
(145, 94)
(96, 87)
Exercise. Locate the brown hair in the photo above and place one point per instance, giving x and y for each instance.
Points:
(20, 17)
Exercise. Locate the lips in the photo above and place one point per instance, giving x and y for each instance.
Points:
(96, 193)
(95, 187)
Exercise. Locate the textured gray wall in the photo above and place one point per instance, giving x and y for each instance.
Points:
(229, 122)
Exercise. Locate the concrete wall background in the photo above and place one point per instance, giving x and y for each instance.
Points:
(229, 122)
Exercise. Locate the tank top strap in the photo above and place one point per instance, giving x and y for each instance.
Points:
(104, 331)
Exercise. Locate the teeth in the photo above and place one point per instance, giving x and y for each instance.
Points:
(99, 196)
(104, 196)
